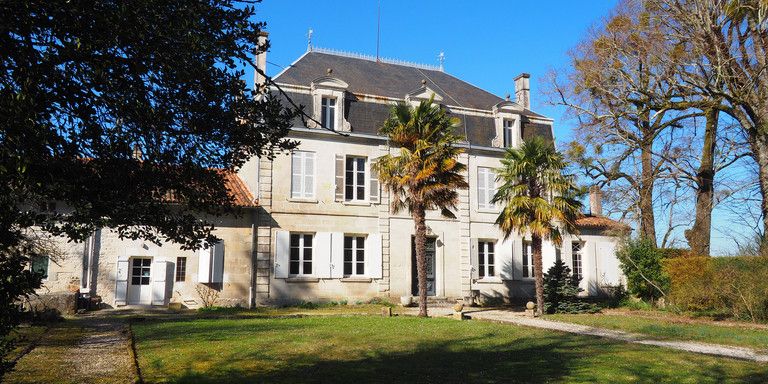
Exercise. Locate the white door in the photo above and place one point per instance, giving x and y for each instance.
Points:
(139, 284)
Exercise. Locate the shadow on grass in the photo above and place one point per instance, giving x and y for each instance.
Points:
(536, 359)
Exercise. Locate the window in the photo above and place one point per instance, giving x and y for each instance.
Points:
(354, 255)
(39, 264)
(508, 129)
(485, 258)
(301, 254)
(302, 175)
(577, 248)
(355, 179)
(141, 271)
(181, 268)
(328, 112)
(528, 270)
(486, 187)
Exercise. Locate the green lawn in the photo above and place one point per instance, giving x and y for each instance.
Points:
(673, 328)
(361, 349)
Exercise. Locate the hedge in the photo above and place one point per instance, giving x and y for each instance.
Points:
(732, 286)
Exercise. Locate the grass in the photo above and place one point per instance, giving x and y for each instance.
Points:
(356, 349)
(673, 328)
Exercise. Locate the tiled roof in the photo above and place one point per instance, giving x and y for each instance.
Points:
(389, 80)
(600, 222)
(241, 195)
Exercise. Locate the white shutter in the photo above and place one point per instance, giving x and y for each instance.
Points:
(121, 286)
(282, 253)
(339, 190)
(321, 255)
(296, 172)
(159, 276)
(374, 185)
(482, 201)
(309, 175)
(337, 255)
(491, 187)
(373, 256)
(504, 260)
(204, 265)
(217, 263)
(473, 259)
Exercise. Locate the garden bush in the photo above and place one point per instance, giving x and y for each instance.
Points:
(737, 286)
(641, 263)
(561, 290)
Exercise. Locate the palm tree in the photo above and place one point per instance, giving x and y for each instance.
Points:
(425, 174)
(537, 198)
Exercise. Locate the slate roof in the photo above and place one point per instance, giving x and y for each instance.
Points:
(395, 81)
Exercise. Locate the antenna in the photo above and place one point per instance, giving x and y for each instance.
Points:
(309, 40)
(378, 29)
(441, 58)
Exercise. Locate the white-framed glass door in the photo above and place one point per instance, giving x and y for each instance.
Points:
(140, 281)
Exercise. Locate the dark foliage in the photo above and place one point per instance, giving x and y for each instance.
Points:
(84, 83)
(561, 290)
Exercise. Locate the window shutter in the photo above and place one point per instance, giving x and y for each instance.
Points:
(482, 202)
(373, 256)
(374, 185)
(504, 261)
(337, 255)
(217, 263)
(121, 287)
(159, 277)
(339, 178)
(473, 259)
(321, 255)
(282, 253)
(204, 265)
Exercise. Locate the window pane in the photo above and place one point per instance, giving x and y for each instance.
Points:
(347, 268)
(294, 254)
(360, 268)
(332, 102)
(307, 254)
(147, 262)
(294, 268)
(295, 240)
(307, 241)
(136, 262)
(348, 241)
(307, 267)
(145, 281)
(136, 280)
(360, 255)
(347, 255)
(491, 271)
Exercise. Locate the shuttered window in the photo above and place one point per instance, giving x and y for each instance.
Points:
(354, 256)
(486, 256)
(354, 184)
(300, 262)
(302, 175)
(486, 187)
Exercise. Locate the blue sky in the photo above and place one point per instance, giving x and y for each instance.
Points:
(485, 43)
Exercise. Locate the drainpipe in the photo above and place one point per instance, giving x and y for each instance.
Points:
(251, 296)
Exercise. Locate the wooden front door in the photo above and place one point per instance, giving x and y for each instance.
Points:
(139, 282)
(430, 255)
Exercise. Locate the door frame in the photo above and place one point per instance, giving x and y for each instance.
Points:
(414, 272)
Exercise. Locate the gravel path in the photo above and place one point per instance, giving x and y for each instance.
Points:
(689, 346)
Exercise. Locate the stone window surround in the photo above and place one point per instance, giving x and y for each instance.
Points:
(330, 87)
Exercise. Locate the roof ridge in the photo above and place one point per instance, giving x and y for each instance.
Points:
(354, 55)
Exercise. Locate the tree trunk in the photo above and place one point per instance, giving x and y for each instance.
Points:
(699, 235)
(419, 220)
(759, 143)
(538, 273)
(647, 217)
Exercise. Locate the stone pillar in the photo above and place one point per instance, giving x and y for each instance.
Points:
(464, 233)
(384, 229)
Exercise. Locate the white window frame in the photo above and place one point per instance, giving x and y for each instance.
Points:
(487, 189)
(484, 266)
(577, 259)
(302, 254)
(356, 182)
(508, 133)
(355, 250)
(527, 256)
(328, 111)
(301, 191)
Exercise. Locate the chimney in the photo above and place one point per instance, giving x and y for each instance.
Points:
(523, 90)
(261, 62)
(595, 201)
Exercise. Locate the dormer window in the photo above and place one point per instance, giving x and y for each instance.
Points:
(509, 131)
(328, 112)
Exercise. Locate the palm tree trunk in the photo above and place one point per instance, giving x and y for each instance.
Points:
(538, 274)
(419, 219)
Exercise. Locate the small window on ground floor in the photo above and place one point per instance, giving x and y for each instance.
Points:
(486, 258)
(181, 269)
(39, 264)
(354, 255)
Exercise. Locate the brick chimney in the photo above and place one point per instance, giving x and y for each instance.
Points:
(595, 201)
(261, 61)
(523, 90)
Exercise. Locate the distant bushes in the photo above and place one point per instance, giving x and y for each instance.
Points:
(721, 286)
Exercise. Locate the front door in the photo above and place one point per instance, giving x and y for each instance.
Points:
(430, 256)
(139, 288)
